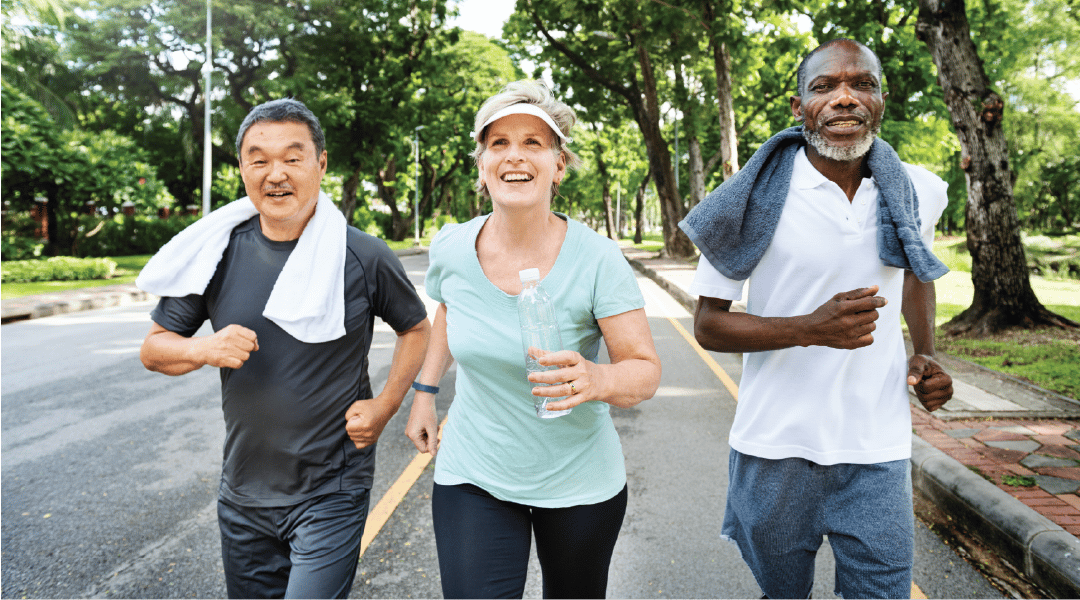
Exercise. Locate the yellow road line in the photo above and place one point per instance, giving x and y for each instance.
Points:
(916, 592)
(720, 373)
(379, 515)
(717, 370)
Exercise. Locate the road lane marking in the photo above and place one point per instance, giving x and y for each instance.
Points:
(393, 496)
(733, 389)
(717, 370)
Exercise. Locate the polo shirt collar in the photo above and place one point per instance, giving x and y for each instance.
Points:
(805, 176)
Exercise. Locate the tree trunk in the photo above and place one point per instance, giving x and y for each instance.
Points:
(639, 207)
(697, 172)
(647, 114)
(1003, 295)
(348, 195)
(729, 138)
(52, 224)
(399, 225)
(601, 167)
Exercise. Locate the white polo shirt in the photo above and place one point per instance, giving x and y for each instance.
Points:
(822, 404)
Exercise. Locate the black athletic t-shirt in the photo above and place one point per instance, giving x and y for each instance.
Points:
(285, 407)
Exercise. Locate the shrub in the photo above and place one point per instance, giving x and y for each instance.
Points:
(58, 268)
(14, 247)
(123, 235)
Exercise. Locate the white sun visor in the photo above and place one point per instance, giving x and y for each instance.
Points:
(522, 108)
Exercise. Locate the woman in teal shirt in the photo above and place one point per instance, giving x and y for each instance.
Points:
(501, 472)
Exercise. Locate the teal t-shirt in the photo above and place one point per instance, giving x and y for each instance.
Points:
(493, 438)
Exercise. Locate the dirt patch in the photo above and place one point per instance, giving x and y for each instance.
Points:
(1008, 579)
(1023, 337)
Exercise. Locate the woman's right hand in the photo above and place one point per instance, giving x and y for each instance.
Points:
(423, 428)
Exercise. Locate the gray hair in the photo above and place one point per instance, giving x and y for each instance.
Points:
(281, 111)
(531, 92)
(800, 80)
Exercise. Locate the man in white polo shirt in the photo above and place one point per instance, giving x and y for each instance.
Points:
(833, 233)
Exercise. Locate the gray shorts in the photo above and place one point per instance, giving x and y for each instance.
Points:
(778, 510)
(309, 550)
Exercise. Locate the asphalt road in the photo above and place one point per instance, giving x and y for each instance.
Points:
(109, 475)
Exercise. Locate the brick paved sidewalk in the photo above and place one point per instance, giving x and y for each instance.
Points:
(1039, 457)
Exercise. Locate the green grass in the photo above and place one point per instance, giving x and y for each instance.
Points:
(650, 242)
(1048, 363)
(1048, 358)
(1052, 256)
(127, 269)
(1018, 480)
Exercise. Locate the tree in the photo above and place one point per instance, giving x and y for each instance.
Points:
(365, 63)
(29, 54)
(140, 64)
(75, 171)
(1034, 59)
(613, 47)
(1003, 295)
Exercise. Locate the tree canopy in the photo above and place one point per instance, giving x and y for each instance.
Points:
(672, 96)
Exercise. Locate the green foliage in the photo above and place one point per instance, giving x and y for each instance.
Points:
(123, 235)
(1018, 480)
(71, 169)
(127, 269)
(1054, 255)
(62, 268)
(1028, 49)
(17, 241)
(14, 247)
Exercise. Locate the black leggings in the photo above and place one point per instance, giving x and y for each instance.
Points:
(483, 544)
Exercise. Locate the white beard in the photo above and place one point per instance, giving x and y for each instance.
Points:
(841, 153)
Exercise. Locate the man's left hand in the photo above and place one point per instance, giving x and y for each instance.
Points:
(933, 386)
(365, 420)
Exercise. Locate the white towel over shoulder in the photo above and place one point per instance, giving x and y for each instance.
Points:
(308, 299)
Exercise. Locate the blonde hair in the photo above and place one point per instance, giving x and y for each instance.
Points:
(531, 92)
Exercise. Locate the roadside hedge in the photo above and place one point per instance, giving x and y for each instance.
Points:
(57, 268)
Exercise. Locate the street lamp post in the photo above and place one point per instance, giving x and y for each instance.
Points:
(416, 178)
(207, 69)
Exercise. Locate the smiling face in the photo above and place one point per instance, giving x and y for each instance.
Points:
(842, 104)
(519, 163)
(282, 174)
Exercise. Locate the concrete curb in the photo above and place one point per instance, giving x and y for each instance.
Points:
(86, 301)
(93, 298)
(689, 302)
(1047, 554)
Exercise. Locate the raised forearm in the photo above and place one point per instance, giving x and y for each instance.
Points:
(169, 353)
(720, 330)
(845, 321)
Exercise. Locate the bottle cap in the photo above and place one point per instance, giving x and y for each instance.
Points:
(529, 275)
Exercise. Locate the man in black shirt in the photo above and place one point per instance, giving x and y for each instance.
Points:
(301, 419)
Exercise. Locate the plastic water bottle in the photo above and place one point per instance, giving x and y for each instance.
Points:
(539, 333)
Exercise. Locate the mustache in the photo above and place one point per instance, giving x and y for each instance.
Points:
(858, 113)
(279, 188)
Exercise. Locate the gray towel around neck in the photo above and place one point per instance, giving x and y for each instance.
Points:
(735, 223)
